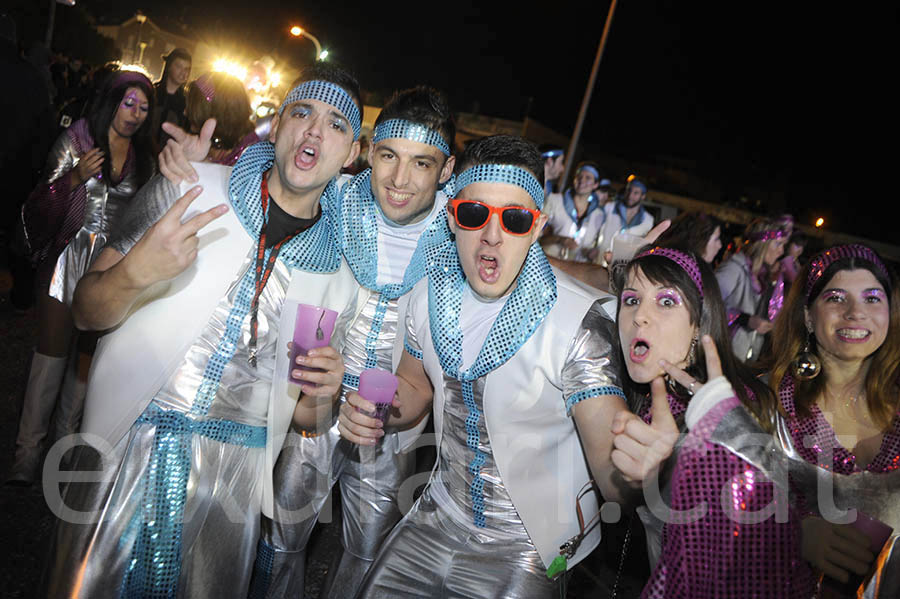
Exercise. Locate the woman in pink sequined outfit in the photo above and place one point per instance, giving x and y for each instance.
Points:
(844, 415)
(715, 542)
(222, 97)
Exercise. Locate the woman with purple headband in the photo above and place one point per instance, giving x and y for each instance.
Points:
(675, 345)
(752, 287)
(836, 366)
(94, 169)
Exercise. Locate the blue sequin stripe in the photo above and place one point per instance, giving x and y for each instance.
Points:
(351, 380)
(415, 353)
(262, 571)
(154, 566)
(473, 438)
(212, 374)
(592, 392)
(375, 330)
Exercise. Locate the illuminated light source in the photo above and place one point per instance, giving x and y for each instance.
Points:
(323, 55)
(820, 221)
(274, 79)
(296, 31)
(630, 178)
(262, 110)
(223, 65)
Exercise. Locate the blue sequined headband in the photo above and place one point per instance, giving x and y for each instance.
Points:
(502, 173)
(591, 170)
(403, 129)
(329, 93)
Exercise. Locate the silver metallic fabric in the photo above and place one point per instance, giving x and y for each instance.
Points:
(740, 294)
(355, 353)
(103, 210)
(224, 489)
(369, 478)
(452, 481)
(430, 555)
(874, 494)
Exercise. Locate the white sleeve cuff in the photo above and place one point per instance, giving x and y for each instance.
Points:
(706, 399)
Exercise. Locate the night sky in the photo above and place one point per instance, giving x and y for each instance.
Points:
(791, 95)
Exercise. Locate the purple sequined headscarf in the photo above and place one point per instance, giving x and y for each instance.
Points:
(685, 261)
(821, 262)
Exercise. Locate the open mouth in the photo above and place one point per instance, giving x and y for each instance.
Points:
(640, 349)
(307, 157)
(488, 268)
(853, 335)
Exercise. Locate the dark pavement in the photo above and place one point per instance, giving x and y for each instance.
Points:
(26, 522)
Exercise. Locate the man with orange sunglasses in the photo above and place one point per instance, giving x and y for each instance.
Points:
(516, 360)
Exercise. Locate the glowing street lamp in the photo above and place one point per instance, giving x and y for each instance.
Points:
(300, 32)
(819, 222)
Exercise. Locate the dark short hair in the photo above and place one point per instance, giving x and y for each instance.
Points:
(690, 231)
(177, 53)
(229, 105)
(323, 71)
(503, 149)
(423, 105)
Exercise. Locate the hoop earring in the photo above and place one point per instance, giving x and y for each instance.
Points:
(807, 364)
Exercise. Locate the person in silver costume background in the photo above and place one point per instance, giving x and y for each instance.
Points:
(93, 171)
(515, 356)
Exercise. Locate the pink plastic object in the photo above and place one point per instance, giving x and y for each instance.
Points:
(378, 386)
(313, 327)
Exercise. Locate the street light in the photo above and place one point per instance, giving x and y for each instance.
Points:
(299, 32)
(141, 18)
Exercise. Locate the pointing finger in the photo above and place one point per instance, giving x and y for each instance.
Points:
(713, 363)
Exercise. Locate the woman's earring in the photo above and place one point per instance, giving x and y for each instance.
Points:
(692, 354)
(807, 364)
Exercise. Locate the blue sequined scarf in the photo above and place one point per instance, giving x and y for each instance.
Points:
(358, 233)
(524, 311)
(357, 226)
(314, 250)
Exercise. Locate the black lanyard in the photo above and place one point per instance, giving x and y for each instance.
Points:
(263, 267)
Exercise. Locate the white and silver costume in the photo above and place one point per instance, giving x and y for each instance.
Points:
(501, 500)
(188, 429)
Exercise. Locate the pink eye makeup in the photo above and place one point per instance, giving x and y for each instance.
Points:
(629, 298)
(669, 298)
(834, 295)
(870, 294)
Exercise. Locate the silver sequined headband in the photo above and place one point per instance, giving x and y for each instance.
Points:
(502, 173)
(331, 94)
(403, 129)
